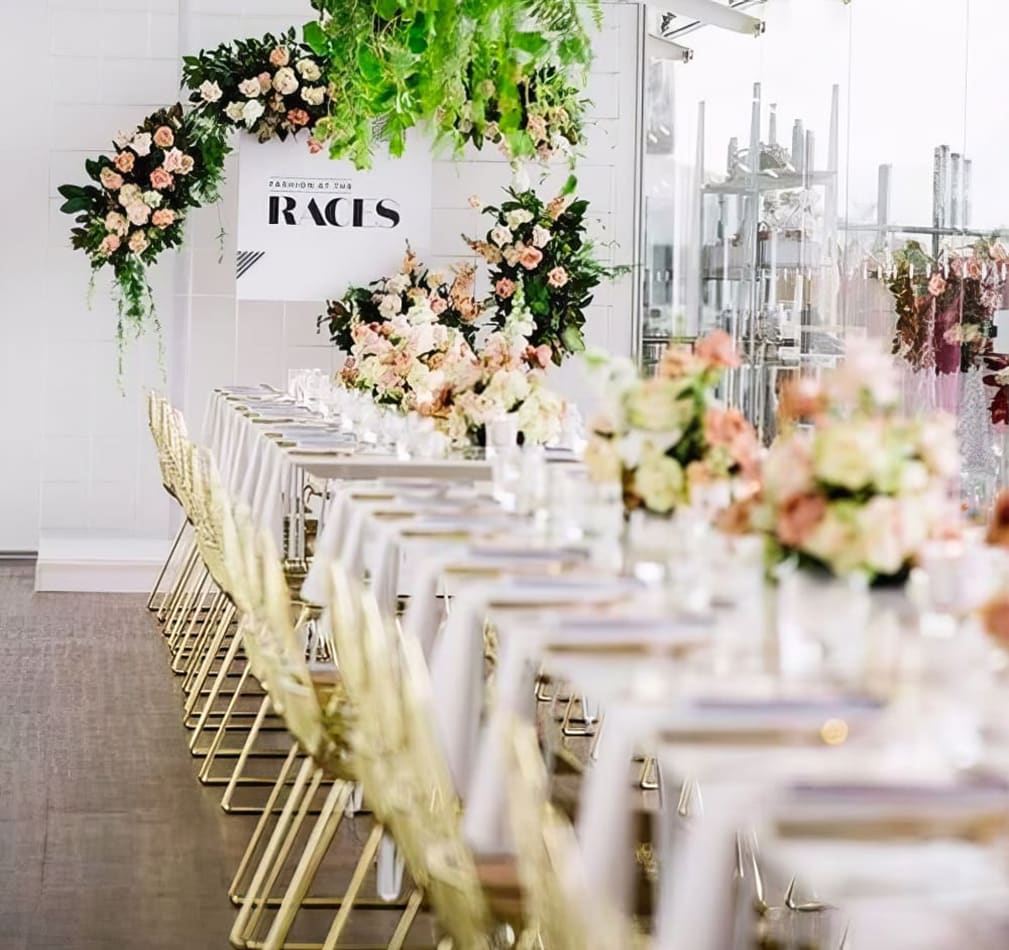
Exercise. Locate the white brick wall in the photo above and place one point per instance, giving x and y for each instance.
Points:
(76, 459)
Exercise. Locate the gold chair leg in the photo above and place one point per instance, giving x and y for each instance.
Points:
(176, 623)
(235, 890)
(280, 860)
(240, 930)
(215, 689)
(243, 758)
(185, 569)
(165, 566)
(184, 644)
(356, 882)
(402, 930)
(222, 729)
(217, 638)
(188, 665)
(316, 848)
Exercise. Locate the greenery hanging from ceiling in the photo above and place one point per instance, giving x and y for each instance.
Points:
(504, 71)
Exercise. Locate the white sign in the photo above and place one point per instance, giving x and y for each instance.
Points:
(308, 226)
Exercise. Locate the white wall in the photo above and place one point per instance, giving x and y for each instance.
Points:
(78, 478)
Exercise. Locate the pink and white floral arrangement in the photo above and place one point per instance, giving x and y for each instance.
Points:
(271, 87)
(137, 204)
(665, 439)
(542, 262)
(416, 353)
(865, 487)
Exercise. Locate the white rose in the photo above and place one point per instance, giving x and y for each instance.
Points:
(659, 482)
(509, 387)
(389, 305)
(540, 416)
(250, 88)
(313, 95)
(397, 283)
(500, 235)
(210, 91)
(541, 236)
(122, 139)
(655, 405)
(129, 195)
(420, 312)
(141, 144)
(517, 218)
(884, 548)
(235, 111)
(285, 82)
(152, 199)
(422, 338)
(435, 279)
(849, 454)
(308, 69)
(138, 213)
(251, 111)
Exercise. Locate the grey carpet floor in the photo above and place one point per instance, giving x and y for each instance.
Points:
(107, 841)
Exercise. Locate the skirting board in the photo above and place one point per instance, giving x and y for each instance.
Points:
(102, 565)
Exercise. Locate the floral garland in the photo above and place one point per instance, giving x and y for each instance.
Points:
(137, 207)
(415, 288)
(271, 88)
(866, 487)
(664, 439)
(542, 262)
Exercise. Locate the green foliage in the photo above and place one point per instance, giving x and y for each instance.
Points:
(543, 249)
(503, 71)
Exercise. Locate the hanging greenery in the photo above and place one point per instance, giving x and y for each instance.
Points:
(473, 70)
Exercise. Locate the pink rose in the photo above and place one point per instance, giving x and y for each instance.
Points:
(558, 277)
(186, 164)
(798, 517)
(163, 218)
(723, 426)
(265, 81)
(298, 117)
(113, 181)
(138, 242)
(504, 288)
(138, 213)
(936, 285)
(160, 179)
(164, 137)
(530, 257)
(124, 161)
(115, 223)
(110, 244)
(280, 56)
(538, 356)
(314, 145)
(173, 161)
(439, 305)
(717, 349)
(974, 269)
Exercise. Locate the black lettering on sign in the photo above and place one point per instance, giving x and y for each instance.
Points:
(340, 212)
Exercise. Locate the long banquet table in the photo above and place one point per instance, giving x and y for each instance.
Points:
(429, 531)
